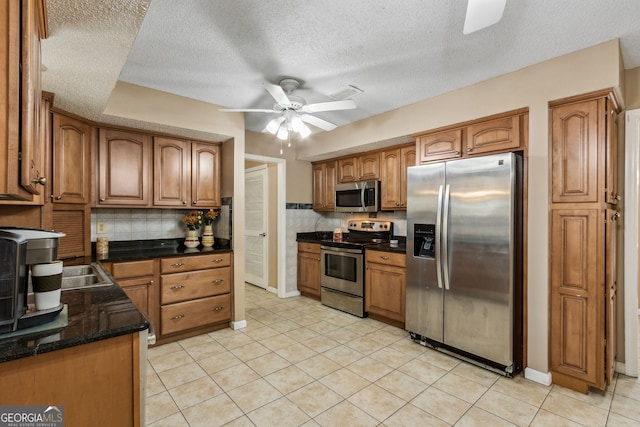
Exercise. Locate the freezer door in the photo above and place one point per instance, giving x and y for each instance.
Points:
(424, 292)
(478, 304)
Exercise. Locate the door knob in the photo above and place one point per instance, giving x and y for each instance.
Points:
(262, 234)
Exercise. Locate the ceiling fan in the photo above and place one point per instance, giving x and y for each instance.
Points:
(293, 111)
(482, 14)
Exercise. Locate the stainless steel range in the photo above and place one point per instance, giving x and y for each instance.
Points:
(342, 265)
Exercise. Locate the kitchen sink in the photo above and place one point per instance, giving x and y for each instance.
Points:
(83, 276)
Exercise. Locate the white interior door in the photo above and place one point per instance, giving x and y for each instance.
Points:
(255, 230)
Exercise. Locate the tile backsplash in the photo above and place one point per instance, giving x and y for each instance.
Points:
(146, 224)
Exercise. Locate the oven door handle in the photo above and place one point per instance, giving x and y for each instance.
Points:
(342, 250)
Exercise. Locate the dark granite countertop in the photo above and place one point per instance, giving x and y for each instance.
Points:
(93, 313)
(144, 249)
(317, 236)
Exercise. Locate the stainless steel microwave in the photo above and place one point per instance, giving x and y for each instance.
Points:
(361, 196)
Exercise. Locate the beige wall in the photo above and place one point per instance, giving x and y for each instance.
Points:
(632, 88)
(152, 106)
(298, 173)
(591, 69)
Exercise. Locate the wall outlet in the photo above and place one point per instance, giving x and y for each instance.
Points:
(101, 227)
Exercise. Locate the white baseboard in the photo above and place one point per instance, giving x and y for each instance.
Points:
(292, 294)
(272, 290)
(238, 325)
(543, 378)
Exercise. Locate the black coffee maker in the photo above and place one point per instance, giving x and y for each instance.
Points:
(19, 249)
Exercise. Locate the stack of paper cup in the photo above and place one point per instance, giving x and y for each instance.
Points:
(102, 245)
(46, 280)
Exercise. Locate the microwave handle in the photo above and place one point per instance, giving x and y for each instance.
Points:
(362, 193)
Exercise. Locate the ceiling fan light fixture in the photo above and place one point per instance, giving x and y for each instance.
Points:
(283, 133)
(274, 125)
(296, 124)
(304, 131)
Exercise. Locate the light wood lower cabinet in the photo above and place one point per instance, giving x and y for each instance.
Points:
(195, 293)
(98, 384)
(309, 269)
(139, 280)
(385, 286)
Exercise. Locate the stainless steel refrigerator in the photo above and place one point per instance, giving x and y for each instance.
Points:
(464, 259)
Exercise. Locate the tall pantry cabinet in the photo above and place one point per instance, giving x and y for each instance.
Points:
(582, 215)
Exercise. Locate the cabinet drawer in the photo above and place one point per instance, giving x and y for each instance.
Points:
(121, 270)
(387, 258)
(192, 314)
(309, 247)
(196, 284)
(194, 262)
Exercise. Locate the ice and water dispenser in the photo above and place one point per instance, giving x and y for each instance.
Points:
(424, 240)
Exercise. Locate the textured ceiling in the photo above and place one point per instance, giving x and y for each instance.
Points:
(398, 53)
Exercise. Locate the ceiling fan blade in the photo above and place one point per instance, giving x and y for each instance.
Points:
(482, 14)
(345, 104)
(317, 122)
(277, 93)
(246, 110)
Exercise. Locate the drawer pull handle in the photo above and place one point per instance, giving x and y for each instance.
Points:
(178, 317)
(217, 260)
(217, 308)
(218, 281)
(177, 287)
(176, 265)
(384, 257)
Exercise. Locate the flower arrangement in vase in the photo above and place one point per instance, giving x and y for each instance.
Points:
(207, 233)
(193, 221)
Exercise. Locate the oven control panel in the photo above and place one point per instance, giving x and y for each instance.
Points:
(371, 226)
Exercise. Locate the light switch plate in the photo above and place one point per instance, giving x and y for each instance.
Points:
(101, 227)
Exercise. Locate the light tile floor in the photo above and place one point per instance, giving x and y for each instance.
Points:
(301, 363)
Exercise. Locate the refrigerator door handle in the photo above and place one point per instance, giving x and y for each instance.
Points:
(445, 237)
(438, 238)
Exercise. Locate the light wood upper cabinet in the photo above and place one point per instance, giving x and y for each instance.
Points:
(494, 135)
(324, 185)
(171, 172)
(574, 155)
(21, 149)
(393, 177)
(124, 166)
(205, 175)
(71, 160)
(359, 168)
(439, 145)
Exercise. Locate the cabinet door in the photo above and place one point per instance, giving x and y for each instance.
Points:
(324, 181)
(71, 160)
(32, 160)
(348, 170)
(439, 146)
(408, 159)
(309, 272)
(390, 177)
(138, 292)
(611, 286)
(369, 167)
(171, 172)
(577, 295)
(205, 175)
(574, 152)
(124, 168)
(494, 135)
(385, 291)
(75, 222)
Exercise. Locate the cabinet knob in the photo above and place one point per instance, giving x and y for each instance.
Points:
(151, 282)
(617, 197)
(102, 199)
(58, 197)
(177, 287)
(176, 265)
(195, 202)
(42, 180)
(178, 317)
(217, 281)
(469, 150)
(616, 215)
(384, 257)
(184, 202)
(216, 260)
(217, 308)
